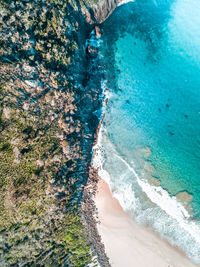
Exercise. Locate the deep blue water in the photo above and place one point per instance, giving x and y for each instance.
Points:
(151, 136)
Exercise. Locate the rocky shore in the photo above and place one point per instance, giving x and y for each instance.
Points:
(90, 213)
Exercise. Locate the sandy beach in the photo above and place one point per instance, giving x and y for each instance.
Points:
(128, 244)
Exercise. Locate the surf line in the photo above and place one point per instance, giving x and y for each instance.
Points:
(172, 206)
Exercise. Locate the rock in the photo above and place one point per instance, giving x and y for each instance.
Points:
(97, 31)
(31, 83)
(100, 10)
(6, 112)
(40, 162)
(17, 155)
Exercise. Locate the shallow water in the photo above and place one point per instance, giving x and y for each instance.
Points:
(151, 133)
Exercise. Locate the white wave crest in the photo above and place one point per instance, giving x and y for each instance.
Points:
(168, 216)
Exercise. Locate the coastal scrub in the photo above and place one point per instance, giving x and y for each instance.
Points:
(43, 159)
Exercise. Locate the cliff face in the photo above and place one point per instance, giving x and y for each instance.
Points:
(98, 11)
(49, 98)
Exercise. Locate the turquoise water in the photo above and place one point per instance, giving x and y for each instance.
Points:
(151, 131)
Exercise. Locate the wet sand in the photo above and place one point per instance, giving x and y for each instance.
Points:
(128, 244)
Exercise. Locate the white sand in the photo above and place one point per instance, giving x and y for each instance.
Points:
(128, 244)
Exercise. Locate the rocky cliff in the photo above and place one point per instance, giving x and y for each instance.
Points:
(48, 118)
(98, 11)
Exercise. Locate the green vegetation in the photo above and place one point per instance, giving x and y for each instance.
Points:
(74, 239)
(40, 144)
(33, 220)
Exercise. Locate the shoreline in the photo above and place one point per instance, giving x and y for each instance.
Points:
(88, 208)
(121, 241)
(128, 243)
(116, 238)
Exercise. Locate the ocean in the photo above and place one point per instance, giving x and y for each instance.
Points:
(149, 143)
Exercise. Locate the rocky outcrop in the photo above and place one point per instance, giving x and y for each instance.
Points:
(97, 12)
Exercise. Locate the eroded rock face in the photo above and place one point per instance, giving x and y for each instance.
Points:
(97, 12)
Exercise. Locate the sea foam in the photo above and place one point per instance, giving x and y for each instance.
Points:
(167, 216)
(148, 204)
